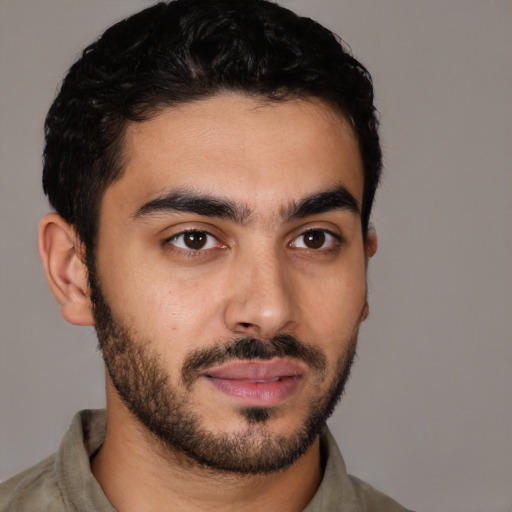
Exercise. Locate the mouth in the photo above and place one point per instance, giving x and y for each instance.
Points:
(257, 383)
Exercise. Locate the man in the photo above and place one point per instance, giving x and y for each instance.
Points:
(213, 167)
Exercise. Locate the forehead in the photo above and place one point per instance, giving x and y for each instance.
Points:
(258, 152)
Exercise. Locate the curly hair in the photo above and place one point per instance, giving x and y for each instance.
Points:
(181, 51)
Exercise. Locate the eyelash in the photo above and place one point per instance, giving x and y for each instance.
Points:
(188, 251)
(335, 242)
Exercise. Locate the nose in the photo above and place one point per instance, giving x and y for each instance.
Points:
(261, 299)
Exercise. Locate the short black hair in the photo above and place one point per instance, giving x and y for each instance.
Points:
(181, 51)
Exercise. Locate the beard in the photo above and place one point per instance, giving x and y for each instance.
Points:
(166, 410)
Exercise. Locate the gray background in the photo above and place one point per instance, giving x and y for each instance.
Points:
(428, 412)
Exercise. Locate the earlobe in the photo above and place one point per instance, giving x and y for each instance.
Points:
(61, 253)
(365, 312)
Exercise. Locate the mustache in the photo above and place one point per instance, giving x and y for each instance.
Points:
(250, 348)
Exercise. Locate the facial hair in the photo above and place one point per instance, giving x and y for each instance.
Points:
(166, 411)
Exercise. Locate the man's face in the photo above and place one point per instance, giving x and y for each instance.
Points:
(231, 276)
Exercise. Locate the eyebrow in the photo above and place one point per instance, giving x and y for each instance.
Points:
(337, 198)
(189, 201)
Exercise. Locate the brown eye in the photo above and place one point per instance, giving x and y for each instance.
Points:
(194, 241)
(317, 240)
(314, 239)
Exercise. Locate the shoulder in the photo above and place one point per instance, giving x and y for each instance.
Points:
(63, 481)
(341, 491)
(34, 489)
(371, 499)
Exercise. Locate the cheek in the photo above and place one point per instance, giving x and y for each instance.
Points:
(333, 306)
(162, 305)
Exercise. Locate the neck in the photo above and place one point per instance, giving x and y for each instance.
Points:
(137, 474)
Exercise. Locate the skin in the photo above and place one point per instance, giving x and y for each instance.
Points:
(255, 278)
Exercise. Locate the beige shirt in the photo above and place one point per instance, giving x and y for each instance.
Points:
(64, 482)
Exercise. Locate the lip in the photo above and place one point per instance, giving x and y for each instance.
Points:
(257, 383)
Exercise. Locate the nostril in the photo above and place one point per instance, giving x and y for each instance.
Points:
(245, 324)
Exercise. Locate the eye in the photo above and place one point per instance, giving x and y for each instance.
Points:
(194, 241)
(316, 239)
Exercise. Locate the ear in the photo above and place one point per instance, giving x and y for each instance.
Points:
(61, 253)
(371, 242)
(371, 249)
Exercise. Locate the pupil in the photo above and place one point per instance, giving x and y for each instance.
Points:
(314, 239)
(195, 240)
